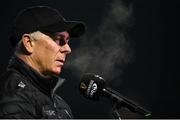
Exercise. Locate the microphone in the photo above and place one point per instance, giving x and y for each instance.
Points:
(93, 87)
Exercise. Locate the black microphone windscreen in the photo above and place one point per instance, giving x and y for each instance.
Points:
(91, 86)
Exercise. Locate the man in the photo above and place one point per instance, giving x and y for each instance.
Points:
(40, 36)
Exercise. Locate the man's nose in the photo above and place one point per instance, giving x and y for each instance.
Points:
(65, 49)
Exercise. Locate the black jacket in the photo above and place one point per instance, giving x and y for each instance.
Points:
(26, 94)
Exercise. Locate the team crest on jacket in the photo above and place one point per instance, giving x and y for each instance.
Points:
(21, 84)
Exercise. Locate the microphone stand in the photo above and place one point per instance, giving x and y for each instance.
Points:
(116, 113)
(119, 101)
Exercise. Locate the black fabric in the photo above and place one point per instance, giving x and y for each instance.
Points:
(43, 18)
(26, 94)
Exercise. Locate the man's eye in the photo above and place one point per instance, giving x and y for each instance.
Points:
(61, 41)
(57, 41)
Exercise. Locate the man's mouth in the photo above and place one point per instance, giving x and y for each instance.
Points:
(61, 61)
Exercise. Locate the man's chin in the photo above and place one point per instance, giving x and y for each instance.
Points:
(57, 71)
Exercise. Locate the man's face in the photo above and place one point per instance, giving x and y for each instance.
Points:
(50, 53)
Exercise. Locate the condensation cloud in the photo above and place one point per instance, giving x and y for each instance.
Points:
(107, 50)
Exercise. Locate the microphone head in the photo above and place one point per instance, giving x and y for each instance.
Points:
(91, 86)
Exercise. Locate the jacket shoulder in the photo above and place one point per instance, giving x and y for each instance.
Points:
(15, 97)
(14, 81)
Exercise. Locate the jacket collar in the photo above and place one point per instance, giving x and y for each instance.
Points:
(46, 85)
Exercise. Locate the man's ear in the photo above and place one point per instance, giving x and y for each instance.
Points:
(27, 43)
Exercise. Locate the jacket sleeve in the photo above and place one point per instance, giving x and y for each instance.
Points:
(16, 106)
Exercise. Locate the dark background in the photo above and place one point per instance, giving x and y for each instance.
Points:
(150, 80)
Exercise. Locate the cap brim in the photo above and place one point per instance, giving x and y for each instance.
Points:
(74, 28)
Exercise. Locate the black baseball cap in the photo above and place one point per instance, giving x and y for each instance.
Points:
(44, 19)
